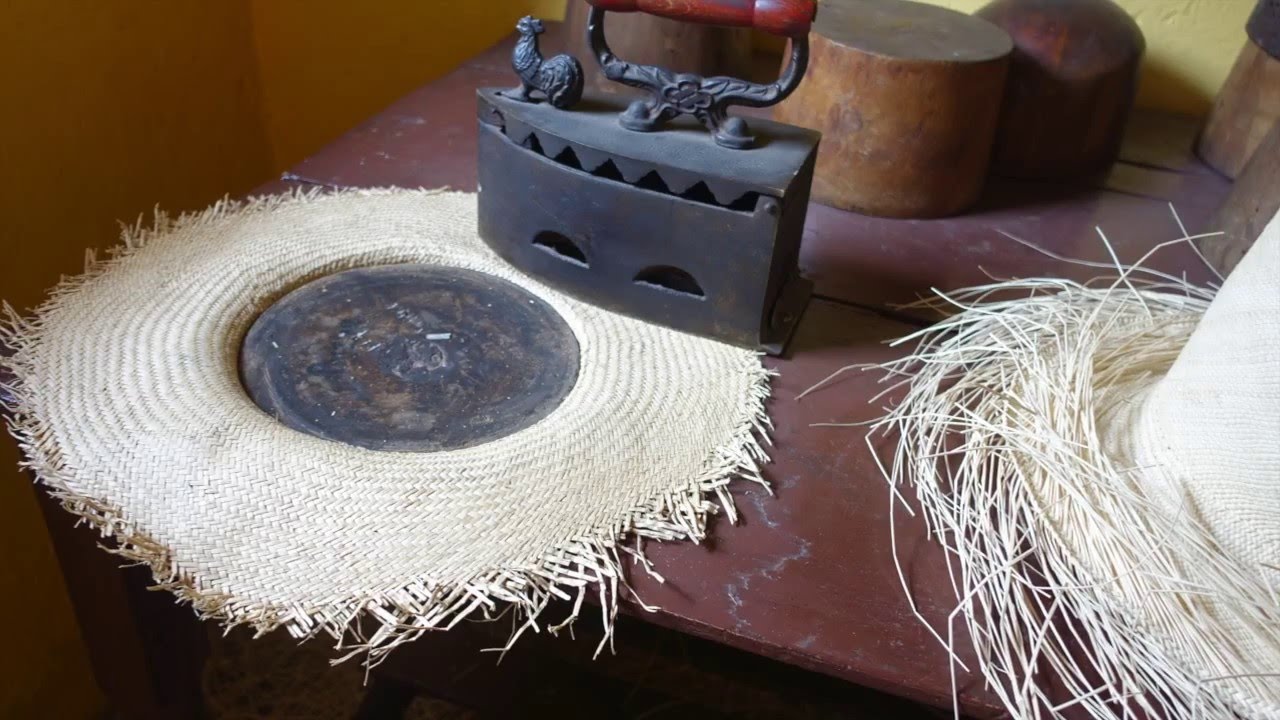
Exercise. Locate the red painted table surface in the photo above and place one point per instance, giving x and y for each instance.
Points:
(808, 576)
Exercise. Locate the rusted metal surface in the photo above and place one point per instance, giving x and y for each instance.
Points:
(667, 228)
(409, 358)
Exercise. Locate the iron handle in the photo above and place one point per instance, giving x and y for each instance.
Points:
(787, 18)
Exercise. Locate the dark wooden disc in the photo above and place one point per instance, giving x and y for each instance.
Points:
(409, 358)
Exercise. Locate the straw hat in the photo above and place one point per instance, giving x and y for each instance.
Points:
(130, 408)
(1114, 514)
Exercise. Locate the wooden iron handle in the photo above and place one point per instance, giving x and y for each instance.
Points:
(788, 18)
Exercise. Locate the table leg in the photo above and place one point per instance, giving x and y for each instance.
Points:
(386, 699)
(147, 651)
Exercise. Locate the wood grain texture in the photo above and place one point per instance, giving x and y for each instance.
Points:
(1245, 109)
(787, 18)
(1072, 82)
(1253, 201)
(907, 97)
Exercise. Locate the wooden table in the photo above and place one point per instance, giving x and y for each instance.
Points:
(808, 577)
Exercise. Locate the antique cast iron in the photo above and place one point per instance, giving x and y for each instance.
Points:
(409, 358)
(638, 210)
(707, 99)
(559, 79)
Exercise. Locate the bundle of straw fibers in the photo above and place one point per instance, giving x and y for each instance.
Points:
(1102, 461)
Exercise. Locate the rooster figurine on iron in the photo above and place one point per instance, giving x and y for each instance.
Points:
(559, 78)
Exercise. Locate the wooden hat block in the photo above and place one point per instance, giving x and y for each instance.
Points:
(1253, 201)
(1072, 83)
(1249, 102)
(907, 97)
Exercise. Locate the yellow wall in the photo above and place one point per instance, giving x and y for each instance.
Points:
(109, 108)
(548, 9)
(328, 64)
(1191, 45)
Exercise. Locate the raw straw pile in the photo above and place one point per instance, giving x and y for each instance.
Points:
(1102, 462)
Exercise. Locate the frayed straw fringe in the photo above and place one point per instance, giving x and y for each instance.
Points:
(996, 435)
(373, 625)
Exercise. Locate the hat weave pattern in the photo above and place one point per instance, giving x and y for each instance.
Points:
(129, 407)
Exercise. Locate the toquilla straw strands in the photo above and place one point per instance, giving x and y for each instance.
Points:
(129, 408)
(1102, 462)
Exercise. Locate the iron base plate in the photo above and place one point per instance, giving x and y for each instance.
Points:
(409, 358)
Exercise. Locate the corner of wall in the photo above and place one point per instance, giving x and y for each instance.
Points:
(258, 90)
(326, 65)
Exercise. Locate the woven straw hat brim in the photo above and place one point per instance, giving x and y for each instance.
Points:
(130, 407)
(1114, 517)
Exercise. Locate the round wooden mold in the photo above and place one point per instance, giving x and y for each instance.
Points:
(1072, 82)
(409, 358)
(907, 96)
